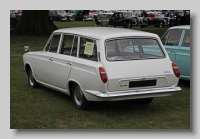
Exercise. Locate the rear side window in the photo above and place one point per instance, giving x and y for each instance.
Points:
(130, 49)
(69, 45)
(186, 39)
(174, 37)
(88, 49)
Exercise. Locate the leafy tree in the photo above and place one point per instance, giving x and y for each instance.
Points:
(35, 22)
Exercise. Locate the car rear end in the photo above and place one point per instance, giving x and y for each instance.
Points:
(136, 67)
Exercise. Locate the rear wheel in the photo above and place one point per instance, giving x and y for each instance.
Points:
(31, 80)
(78, 98)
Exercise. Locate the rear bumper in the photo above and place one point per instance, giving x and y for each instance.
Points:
(133, 94)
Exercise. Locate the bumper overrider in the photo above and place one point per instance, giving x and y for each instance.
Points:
(134, 94)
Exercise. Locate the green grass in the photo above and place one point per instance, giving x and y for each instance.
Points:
(44, 108)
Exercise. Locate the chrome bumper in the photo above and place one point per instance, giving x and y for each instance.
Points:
(134, 93)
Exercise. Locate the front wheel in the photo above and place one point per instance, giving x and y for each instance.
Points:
(31, 80)
(79, 100)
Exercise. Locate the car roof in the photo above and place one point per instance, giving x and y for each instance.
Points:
(181, 27)
(104, 32)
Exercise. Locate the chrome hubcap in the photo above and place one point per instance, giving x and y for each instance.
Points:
(31, 78)
(78, 95)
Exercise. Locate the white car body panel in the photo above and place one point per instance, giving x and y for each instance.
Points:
(56, 71)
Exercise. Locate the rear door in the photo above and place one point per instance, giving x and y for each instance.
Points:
(63, 61)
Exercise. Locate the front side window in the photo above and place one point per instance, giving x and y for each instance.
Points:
(164, 38)
(186, 39)
(130, 49)
(174, 37)
(52, 45)
(88, 49)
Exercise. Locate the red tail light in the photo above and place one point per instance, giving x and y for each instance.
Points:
(103, 74)
(175, 68)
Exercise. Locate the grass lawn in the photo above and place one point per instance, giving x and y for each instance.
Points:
(44, 108)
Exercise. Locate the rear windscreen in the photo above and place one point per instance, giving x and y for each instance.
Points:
(130, 49)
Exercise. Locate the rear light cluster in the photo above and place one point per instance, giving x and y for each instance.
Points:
(175, 68)
(103, 74)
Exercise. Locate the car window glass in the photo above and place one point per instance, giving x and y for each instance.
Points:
(88, 49)
(75, 44)
(151, 46)
(174, 37)
(164, 38)
(66, 44)
(52, 46)
(186, 40)
(130, 49)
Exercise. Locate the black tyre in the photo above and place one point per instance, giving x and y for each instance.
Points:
(142, 26)
(31, 80)
(79, 100)
(144, 100)
(171, 24)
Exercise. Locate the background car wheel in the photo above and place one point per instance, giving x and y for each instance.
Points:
(142, 26)
(161, 24)
(31, 80)
(78, 98)
(171, 24)
(129, 25)
(144, 100)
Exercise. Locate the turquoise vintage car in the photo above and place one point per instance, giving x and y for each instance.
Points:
(176, 41)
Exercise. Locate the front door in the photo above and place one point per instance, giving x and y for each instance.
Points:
(44, 71)
(171, 42)
(183, 55)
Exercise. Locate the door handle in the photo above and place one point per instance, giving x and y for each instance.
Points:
(68, 63)
(51, 59)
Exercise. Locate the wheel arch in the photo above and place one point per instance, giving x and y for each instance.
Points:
(71, 84)
(27, 68)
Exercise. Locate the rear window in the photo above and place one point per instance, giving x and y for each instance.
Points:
(131, 49)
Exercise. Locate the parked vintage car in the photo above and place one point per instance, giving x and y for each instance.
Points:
(103, 64)
(161, 21)
(97, 12)
(107, 13)
(59, 15)
(83, 15)
(123, 18)
(176, 41)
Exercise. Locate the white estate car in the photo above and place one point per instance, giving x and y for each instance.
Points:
(103, 64)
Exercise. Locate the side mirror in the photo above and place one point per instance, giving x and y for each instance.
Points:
(26, 48)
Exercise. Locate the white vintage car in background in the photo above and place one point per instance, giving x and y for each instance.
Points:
(103, 64)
